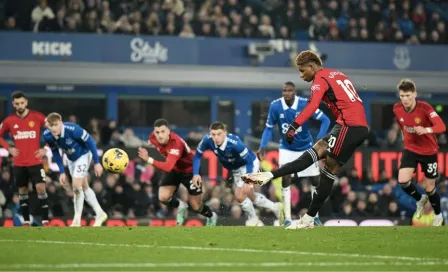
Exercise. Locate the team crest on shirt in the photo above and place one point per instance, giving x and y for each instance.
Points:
(69, 141)
(31, 123)
(417, 120)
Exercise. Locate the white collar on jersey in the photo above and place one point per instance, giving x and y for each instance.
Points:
(223, 146)
(62, 132)
(294, 105)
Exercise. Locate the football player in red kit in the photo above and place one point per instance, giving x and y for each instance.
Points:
(178, 168)
(25, 126)
(337, 91)
(419, 124)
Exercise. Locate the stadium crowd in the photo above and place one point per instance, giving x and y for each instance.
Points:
(134, 193)
(410, 21)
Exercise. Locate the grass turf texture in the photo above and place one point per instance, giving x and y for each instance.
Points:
(224, 248)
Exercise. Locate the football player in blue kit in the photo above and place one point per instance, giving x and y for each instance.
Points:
(237, 158)
(79, 147)
(281, 113)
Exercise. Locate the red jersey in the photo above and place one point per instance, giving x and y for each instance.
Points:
(339, 94)
(25, 133)
(178, 154)
(422, 115)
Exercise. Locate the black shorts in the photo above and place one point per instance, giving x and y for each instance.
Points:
(428, 163)
(343, 141)
(177, 178)
(24, 174)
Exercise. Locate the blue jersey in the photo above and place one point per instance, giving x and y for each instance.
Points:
(283, 115)
(232, 154)
(74, 142)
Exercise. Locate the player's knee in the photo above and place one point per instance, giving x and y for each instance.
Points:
(40, 188)
(332, 165)
(321, 148)
(404, 177)
(315, 181)
(286, 181)
(23, 190)
(165, 198)
(240, 196)
(77, 190)
(430, 185)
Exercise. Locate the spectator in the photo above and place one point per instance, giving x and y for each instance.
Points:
(42, 17)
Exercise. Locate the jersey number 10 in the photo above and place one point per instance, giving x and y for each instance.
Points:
(349, 90)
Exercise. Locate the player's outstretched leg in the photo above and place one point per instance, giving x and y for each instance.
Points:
(90, 197)
(308, 157)
(277, 207)
(198, 207)
(404, 179)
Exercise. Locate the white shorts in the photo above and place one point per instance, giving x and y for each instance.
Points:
(80, 167)
(286, 156)
(241, 171)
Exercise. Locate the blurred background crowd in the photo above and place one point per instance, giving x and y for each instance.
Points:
(404, 21)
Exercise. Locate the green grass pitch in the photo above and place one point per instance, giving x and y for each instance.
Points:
(224, 248)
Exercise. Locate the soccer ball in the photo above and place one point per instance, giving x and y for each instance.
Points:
(115, 160)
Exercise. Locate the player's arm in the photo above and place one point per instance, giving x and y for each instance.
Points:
(174, 154)
(202, 146)
(55, 151)
(4, 128)
(438, 126)
(267, 132)
(324, 123)
(318, 88)
(82, 135)
(245, 155)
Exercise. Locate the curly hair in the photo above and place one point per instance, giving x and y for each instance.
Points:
(307, 57)
(406, 85)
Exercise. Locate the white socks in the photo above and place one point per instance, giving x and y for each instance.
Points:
(286, 195)
(262, 201)
(92, 201)
(248, 208)
(78, 201)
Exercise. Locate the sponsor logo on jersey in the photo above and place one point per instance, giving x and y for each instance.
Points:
(315, 87)
(409, 129)
(401, 119)
(174, 152)
(25, 135)
(16, 126)
(433, 114)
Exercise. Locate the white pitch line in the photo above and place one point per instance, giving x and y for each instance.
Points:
(247, 250)
(217, 264)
